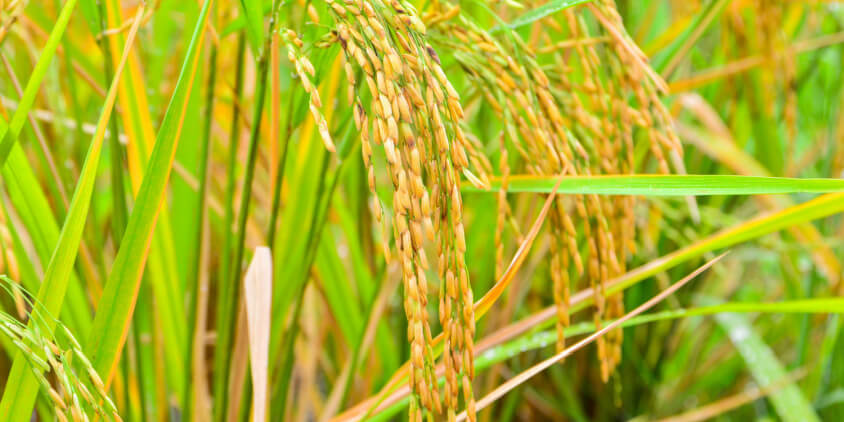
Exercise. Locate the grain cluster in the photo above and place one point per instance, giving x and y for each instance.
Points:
(602, 100)
(405, 104)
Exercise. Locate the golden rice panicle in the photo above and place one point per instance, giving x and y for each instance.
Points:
(632, 75)
(559, 268)
(598, 111)
(353, 21)
(503, 208)
(532, 121)
(414, 115)
(610, 118)
(591, 209)
(642, 81)
(616, 153)
(305, 71)
(608, 91)
(457, 312)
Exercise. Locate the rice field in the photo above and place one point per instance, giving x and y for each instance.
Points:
(371, 210)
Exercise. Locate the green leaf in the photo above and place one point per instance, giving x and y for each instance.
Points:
(254, 13)
(337, 290)
(789, 401)
(22, 385)
(538, 13)
(667, 61)
(92, 16)
(665, 185)
(239, 22)
(111, 322)
(137, 104)
(32, 205)
(10, 135)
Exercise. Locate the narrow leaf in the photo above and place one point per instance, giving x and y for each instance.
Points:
(790, 403)
(667, 62)
(665, 185)
(253, 11)
(10, 135)
(538, 13)
(111, 322)
(91, 15)
(22, 384)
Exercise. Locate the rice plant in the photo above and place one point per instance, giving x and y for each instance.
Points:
(398, 210)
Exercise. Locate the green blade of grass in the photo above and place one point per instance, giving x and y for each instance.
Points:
(366, 285)
(230, 289)
(120, 211)
(138, 107)
(790, 403)
(194, 277)
(239, 22)
(538, 13)
(22, 385)
(10, 135)
(826, 305)
(91, 15)
(254, 12)
(725, 150)
(337, 291)
(111, 322)
(234, 138)
(666, 185)
(817, 208)
(665, 63)
(32, 205)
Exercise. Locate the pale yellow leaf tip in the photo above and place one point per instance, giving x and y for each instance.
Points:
(258, 286)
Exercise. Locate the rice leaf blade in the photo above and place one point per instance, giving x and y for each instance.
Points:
(538, 13)
(790, 403)
(253, 10)
(666, 185)
(22, 386)
(10, 135)
(121, 289)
